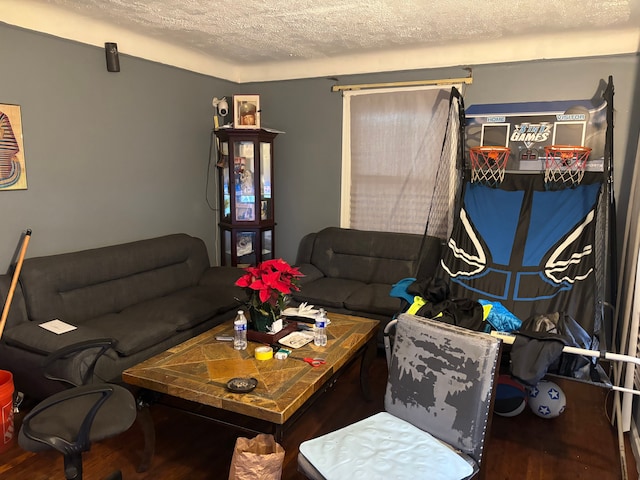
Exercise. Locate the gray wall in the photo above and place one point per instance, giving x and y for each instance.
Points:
(110, 157)
(114, 157)
(308, 159)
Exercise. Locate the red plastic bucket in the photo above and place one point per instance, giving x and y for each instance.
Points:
(6, 410)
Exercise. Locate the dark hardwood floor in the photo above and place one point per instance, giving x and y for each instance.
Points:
(580, 444)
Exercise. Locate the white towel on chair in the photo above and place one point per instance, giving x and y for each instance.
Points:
(383, 447)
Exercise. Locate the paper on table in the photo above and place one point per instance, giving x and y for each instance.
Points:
(57, 326)
(296, 339)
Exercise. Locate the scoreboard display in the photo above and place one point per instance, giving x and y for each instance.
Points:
(526, 128)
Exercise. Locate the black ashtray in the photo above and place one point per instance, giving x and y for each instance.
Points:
(242, 385)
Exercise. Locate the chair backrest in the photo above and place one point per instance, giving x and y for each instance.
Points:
(442, 380)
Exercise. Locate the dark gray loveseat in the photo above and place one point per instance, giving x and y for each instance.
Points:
(352, 271)
(148, 295)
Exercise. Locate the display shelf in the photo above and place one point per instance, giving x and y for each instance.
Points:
(245, 173)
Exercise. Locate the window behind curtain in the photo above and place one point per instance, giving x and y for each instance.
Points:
(392, 140)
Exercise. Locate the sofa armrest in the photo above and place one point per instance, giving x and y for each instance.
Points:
(32, 337)
(221, 276)
(430, 254)
(310, 273)
(305, 249)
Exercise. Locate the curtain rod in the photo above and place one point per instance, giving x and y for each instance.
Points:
(442, 81)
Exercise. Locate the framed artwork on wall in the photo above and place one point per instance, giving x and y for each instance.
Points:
(13, 175)
(246, 111)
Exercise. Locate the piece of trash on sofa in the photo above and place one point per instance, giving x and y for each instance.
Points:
(58, 326)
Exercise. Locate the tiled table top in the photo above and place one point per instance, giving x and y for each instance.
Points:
(198, 370)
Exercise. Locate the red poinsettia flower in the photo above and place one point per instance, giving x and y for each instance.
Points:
(268, 284)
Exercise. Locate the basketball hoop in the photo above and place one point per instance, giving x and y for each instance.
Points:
(488, 164)
(565, 165)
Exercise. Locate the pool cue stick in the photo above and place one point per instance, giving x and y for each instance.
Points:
(14, 281)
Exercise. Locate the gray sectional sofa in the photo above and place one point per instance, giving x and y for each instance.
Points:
(147, 295)
(352, 271)
(152, 294)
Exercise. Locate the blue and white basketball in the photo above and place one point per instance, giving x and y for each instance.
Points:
(547, 400)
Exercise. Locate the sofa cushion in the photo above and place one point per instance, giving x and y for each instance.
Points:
(229, 298)
(146, 324)
(373, 298)
(220, 282)
(194, 305)
(31, 336)
(135, 330)
(369, 257)
(91, 283)
(329, 292)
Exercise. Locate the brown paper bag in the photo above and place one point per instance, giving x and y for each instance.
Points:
(258, 458)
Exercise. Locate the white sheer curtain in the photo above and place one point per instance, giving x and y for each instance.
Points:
(392, 141)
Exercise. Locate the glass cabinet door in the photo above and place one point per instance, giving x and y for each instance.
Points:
(223, 163)
(244, 169)
(266, 209)
(227, 254)
(246, 245)
(267, 245)
(245, 174)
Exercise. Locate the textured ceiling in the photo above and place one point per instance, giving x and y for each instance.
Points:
(239, 33)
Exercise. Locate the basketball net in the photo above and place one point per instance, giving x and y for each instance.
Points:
(488, 164)
(564, 165)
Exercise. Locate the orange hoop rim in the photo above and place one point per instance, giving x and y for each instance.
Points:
(489, 148)
(488, 163)
(567, 148)
(486, 153)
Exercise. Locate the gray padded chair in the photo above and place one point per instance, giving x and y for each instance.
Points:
(438, 405)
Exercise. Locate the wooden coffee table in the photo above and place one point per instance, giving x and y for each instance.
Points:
(194, 376)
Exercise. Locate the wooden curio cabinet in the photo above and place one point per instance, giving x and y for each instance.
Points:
(245, 172)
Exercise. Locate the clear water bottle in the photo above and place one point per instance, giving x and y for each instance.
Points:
(320, 333)
(240, 331)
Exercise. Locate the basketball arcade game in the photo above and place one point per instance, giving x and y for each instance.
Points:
(522, 165)
(535, 231)
(534, 226)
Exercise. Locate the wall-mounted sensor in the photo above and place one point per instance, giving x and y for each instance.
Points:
(111, 52)
(221, 105)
